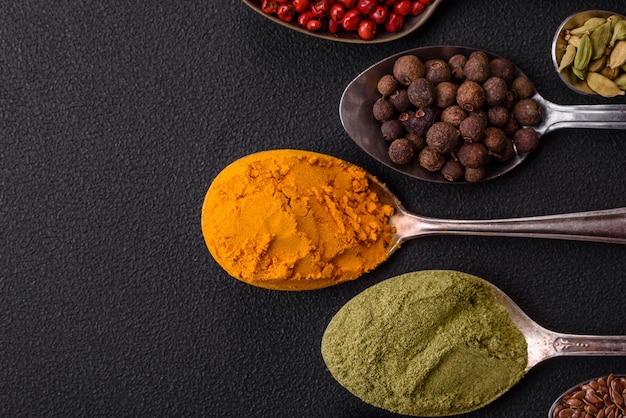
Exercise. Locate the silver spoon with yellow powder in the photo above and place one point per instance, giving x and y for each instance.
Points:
(441, 343)
(299, 220)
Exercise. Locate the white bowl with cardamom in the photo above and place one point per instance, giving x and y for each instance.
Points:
(589, 53)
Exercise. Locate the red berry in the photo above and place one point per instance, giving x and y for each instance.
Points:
(379, 14)
(367, 30)
(366, 6)
(417, 8)
(394, 23)
(314, 25)
(333, 27)
(351, 20)
(425, 2)
(347, 4)
(269, 6)
(337, 12)
(304, 18)
(300, 5)
(402, 8)
(285, 12)
(320, 8)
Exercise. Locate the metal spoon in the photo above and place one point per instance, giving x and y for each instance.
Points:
(355, 111)
(559, 43)
(604, 384)
(411, 23)
(607, 226)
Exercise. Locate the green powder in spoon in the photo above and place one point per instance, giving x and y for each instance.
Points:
(429, 343)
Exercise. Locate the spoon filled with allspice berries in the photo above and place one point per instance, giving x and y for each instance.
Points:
(456, 114)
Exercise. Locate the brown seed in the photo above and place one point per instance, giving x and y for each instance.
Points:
(437, 71)
(566, 413)
(527, 112)
(445, 94)
(421, 92)
(408, 68)
(574, 402)
(387, 85)
(470, 95)
(457, 63)
(495, 90)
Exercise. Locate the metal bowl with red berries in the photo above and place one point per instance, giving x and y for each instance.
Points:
(355, 21)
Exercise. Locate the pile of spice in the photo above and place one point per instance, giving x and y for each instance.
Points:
(455, 116)
(295, 220)
(595, 53)
(603, 397)
(429, 343)
(364, 17)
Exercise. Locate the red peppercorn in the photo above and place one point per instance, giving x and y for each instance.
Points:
(394, 23)
(379, 14)
(351, 20)
(367, 30)
(320, 8)
(389, 2)
(425, 2)
(285, 12)
(347, 4)
(337, 12)
(402, 7)
(333, 27)
(269, 6)
(314, 25)
(417, 8)
(282, 1)
(300, 5)
(304, 18)
(366, 6)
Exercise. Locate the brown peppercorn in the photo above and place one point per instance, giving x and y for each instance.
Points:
(392, 129)
(445, 94)
(507, 153)
(477, 70)
(452, 170)
(408, 68)
(456, 64)
(472, 128)
(400, 100)
(419, 142)
(431, 159)
(503, 68)
(387, 85)
(495, 90)
(437, 71)
(497, 116)
(453, 115)
(382, 110)
(470, 95)
(526, 139)
(474, 174)
(527, 112)
(495, 139)
(522, 87)
(473, 154)
(401, 151)
(421, 92)
(442, 136)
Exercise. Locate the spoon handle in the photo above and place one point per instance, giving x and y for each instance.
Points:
(585, 116)
(598, 226)
(589, 345)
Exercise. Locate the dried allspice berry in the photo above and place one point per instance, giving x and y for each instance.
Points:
(526, 139)
(392, 129)
(431, 159)
(470, 95)
(421, 93)
(527, 112)
(472, 128)
(418, 142)
(474, 174)
(408, 68)
(400, 100)
(522, 87)
(476, 69)
(445, 94)
(452, 170)
(503, 68)
(494, 139)
(387, 85)
(382, 110)
(454, 115)
(473, 154)
(457, 64)
(443, 137)
(401, 151)
(495, 90)
(437, 71)
(419, 121)
(497, 116)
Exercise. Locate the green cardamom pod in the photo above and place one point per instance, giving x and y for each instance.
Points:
(614, 19)
(603, 86)
(619, 32)
(574, 41)
(600, 39)
(579, 73)
(568, 58)
(583, 53)
(618, 55)
(621, 81)
(623, 67)
(597, 65)
(589, 26)
(610, 73)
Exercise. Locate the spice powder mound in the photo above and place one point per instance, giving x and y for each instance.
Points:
(429, 343)
(295, 220)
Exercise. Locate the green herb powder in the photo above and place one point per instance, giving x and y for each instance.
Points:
(430, 343)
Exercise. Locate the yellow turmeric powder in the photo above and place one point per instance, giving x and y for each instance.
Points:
(295, 220)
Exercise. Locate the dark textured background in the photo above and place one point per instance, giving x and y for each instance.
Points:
(114, 119)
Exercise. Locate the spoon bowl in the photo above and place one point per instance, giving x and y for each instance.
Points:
(411, 23)
(608, 226)
(355, 112)
(599, 386)
(559, 43)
